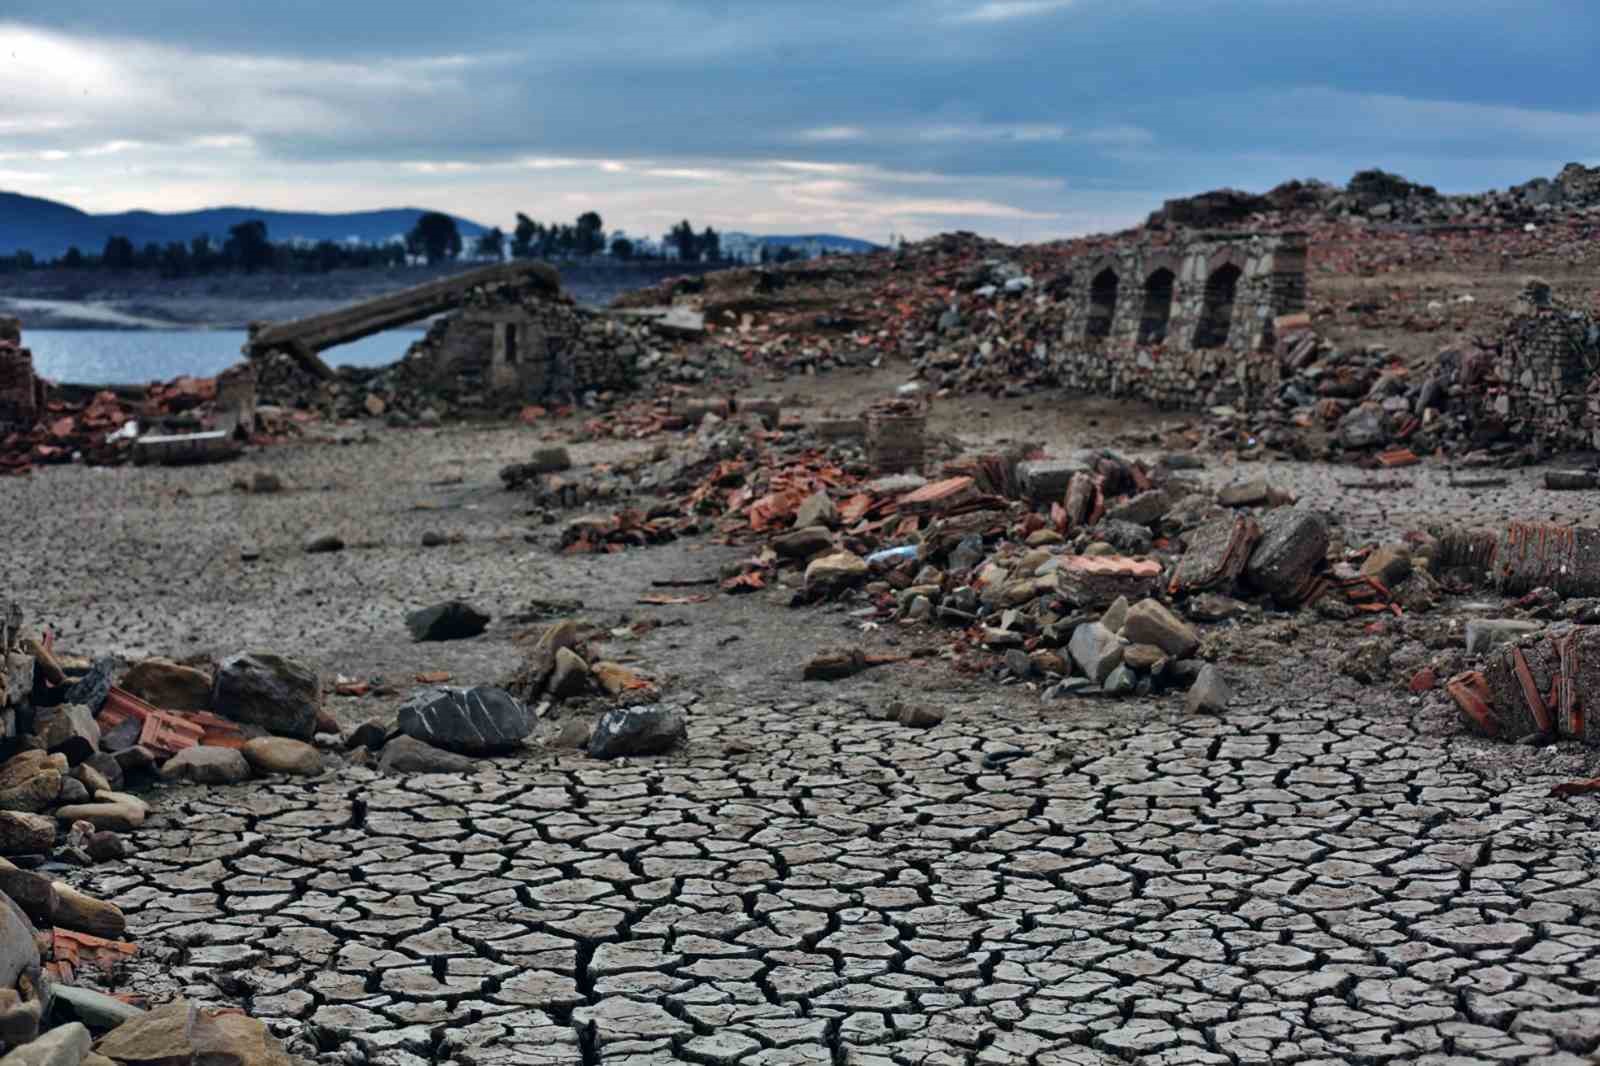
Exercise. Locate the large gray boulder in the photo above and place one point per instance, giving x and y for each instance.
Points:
(1292, 546)
(1096, 650)
(473, 721)
(268, 690)
(648, 730)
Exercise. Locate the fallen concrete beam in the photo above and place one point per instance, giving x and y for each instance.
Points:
(183, 449)
(305, 337)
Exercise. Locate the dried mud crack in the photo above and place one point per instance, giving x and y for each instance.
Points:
(1292, 883)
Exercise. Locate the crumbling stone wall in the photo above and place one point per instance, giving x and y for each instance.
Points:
(513, 345)
(21, 393)
(1182, 324)
(1542, 382)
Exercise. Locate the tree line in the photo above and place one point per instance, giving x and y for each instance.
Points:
(246, 249)
(435, 238)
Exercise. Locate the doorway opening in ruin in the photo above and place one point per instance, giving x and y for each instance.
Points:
(1102, 304)
(1216, 316)
(1157, 307)
(511, 344)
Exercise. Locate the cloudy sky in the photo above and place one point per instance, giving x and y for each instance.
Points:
(1023, 119)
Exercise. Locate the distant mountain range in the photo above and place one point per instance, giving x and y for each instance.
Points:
(48, 228)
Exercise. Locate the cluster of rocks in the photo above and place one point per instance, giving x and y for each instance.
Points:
(1349, 402)
(1089, 578)
(1512, 399)
(562, 667)
(83, 737)
(1129, 650)
(74, 741)
(284, 385)
(731, 470)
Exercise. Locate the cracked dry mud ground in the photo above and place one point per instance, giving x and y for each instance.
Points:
(1301, 884)
(1323, 874)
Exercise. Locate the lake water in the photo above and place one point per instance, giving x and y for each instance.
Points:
(135, 357)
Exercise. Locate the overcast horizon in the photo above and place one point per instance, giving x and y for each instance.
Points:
(1021, 119)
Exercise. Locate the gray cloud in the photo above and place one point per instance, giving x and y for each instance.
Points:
(1021, 117)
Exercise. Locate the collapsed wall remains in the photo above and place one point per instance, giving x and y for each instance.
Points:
(1539, 381)
(21, 391)
(511, 343)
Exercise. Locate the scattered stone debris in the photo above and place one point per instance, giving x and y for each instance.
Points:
(452, 620)
(836, 665)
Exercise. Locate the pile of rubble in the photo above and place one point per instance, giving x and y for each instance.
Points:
(1090, 587)
(187, 419)
(1508, 401)
(75, 738)
(1058, 572)
(1378, 196)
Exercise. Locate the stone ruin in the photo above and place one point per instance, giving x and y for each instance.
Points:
(506, 334)
(511, 343)
(22, 393)
(1538, 380)
(1185, 324)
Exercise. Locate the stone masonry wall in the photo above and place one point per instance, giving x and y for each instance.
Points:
(1544, 384)
(1182, 325)
(557, 351)
(21, 393)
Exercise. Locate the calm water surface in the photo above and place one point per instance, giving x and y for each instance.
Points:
(130, 357)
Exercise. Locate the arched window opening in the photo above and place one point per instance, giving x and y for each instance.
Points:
(1157, 307)
(1102, 304)
(1216, 316)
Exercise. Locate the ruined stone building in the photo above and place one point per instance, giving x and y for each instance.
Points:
(1540, 382)
(508, 335)
(1184, 324)
(512, 344)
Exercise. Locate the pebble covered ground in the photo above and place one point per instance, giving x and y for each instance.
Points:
(1325, 873)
